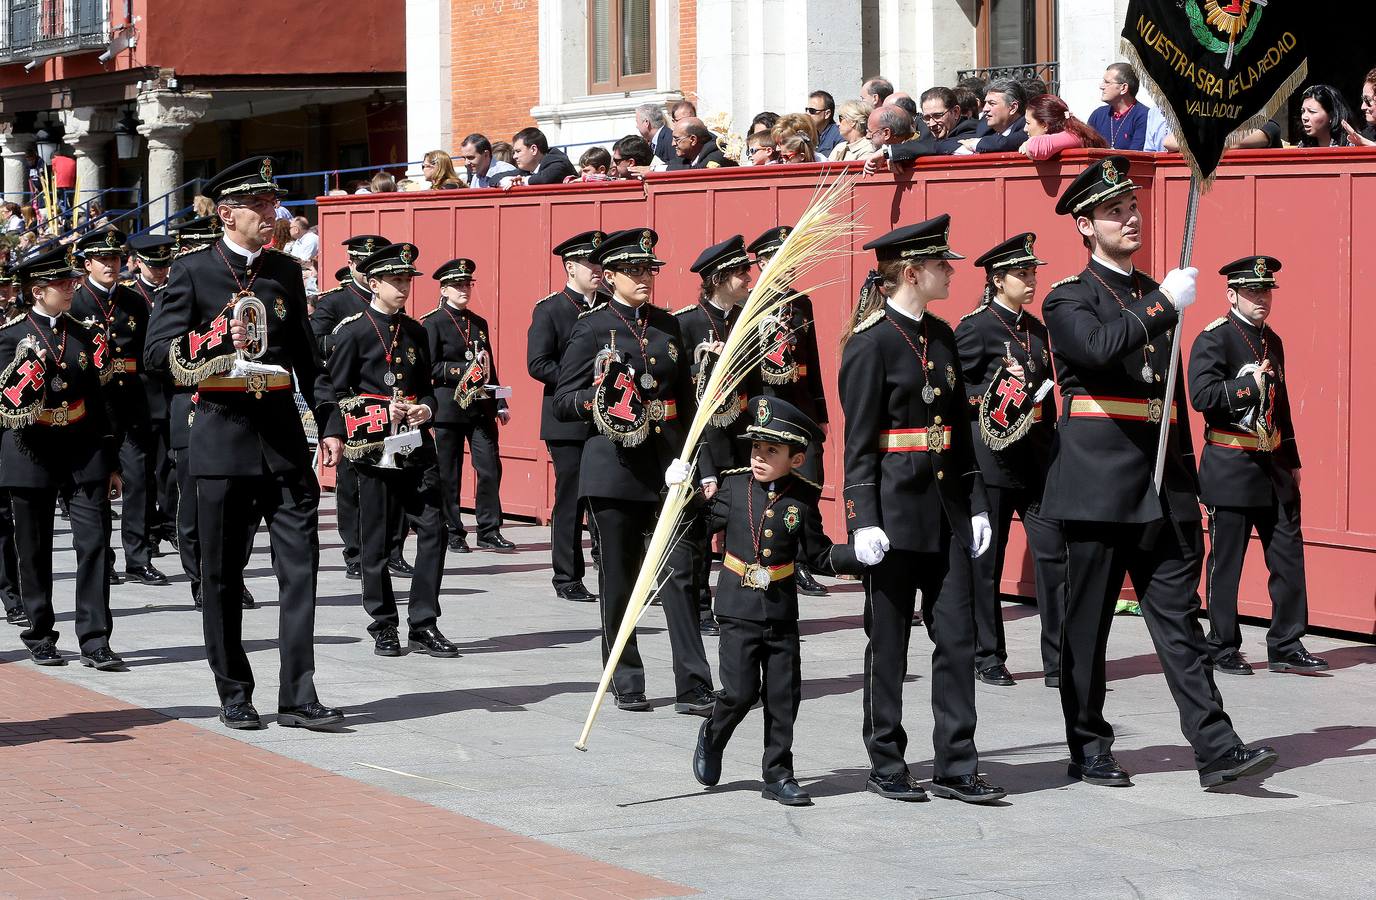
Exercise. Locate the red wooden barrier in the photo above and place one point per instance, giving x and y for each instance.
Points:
(1310, 208)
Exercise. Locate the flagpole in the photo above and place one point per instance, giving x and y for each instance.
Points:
(1186, 251)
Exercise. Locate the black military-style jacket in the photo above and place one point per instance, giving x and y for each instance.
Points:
(334, 306)
(1232, 475)
(122, 314)
(452, 335)
(1101, 468)
(85, 449)
(806, 391)
(712, 157)
(358, 365)
(983, 338)
(611, 470)
(773, 515)
(551, 321)
(706, 323)
(907, 492)
(243, 434)
(158, 390)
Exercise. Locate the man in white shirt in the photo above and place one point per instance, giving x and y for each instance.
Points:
(305, 243)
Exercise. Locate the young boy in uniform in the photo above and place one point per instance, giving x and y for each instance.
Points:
(762, 508)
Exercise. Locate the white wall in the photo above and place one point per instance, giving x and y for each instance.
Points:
(428, 110)
(1088, 37)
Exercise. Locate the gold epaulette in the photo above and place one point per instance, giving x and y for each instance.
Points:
(1071, 280)
(974, 312)
(550, 297)
(736, 471)
(808, 481)
(869, 320)
(345, 321)
(429, 314)
(128, 282)
(1221, 320)
(334, 290)
(13, 322)
(583, 315)
(190, 250)
(688, 308)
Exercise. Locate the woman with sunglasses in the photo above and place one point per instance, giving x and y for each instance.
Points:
(627, 370)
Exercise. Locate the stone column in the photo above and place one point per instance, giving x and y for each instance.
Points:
(13, 146)
(428, 102)
(89, 130)
(166, 117)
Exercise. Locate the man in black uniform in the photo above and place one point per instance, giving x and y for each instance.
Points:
(151, 255)
(350, 298)
(550, 324)
(1002, 342)
(9, 564)
(1250, 474)
(462, 356)
(791, 370)
(195, 233)
(380, 369)
(248, 448)
(1110, 329)
(122, 315)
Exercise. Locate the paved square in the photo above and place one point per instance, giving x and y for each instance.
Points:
(490, 737)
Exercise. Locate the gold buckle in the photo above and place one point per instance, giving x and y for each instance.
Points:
(655, 408)
(936, 438)
(60, 414)
(256, 382)
(119, 366)
(1155, 409)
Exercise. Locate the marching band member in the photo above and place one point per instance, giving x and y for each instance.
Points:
(380, 368)
(915, 507)
(151, 257)
(1006, 361)
(58, 441)
(627, 370)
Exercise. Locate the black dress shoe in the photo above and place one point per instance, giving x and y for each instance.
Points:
(902, 786)
(494, 541)
(574, 591)
(1301, 661)
(809, 587)
(398, 566)
(632, 702)
(145, 575)
(997, 675)
(45, 654)
(112, 576)
(699, 703)
(1101, 770)
(386, 643)
(709, 626)
(459, 544)
(967, 788)
(1238, 762)
(786, 792)
(1232, 663)
(102, 658)
(17, 616)
(353, 570)
(240, 715)
(430, 642)
(706, 761)
(248, 602)
(311, 715)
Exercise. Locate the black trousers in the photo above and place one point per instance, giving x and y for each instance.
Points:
(88, 506)
(1047, 544)
(188, 541)
(566, 518)
(1282, 544)
(1165, 576)
(9, 562)
(346, 508)
(481, 435)
(228, 511)
(137, 453)
(890, 591)
(414, 493)
(164, 476)
(759, 659)
(625, 528)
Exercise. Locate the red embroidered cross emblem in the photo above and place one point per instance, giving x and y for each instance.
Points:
(374, 421)
(218, 330)
(1010, 390)
(33, 375)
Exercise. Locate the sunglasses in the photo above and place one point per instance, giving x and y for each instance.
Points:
(814, 112)
(637, 271)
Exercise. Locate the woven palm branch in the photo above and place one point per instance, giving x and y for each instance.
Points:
(822, 234)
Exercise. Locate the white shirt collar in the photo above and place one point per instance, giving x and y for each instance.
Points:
(1246, 321)
(90, 282)
(1017, 313)
(250, 256)
(724, 310)
(1110, 266)
(905, 313)
(635, 310)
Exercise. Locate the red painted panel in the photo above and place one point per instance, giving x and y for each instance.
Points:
(1310, 209)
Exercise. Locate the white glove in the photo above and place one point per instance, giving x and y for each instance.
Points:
(870, 545)
(983, 533)
(1180, 287)
(679, 472)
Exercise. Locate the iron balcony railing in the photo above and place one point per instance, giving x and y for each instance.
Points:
(1049, 72)
(34, 29)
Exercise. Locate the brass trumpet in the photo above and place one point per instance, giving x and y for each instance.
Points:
(251, 311)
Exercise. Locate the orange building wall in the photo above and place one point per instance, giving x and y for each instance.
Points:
(495, 49)
(688, 48)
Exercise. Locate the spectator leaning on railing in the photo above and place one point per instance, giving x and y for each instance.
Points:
(1367, 136)
(1323, 115)
(759, 149)
(942, 114)
(594, 165)
(653, 127)
(438, 170)
(1122, 121)
(539, 163)
(632, 156)
(1004, 129)
(795, 139)
(482, 170)
(853, 121)
(821, 108)
(1051, 128)
(697, 146)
